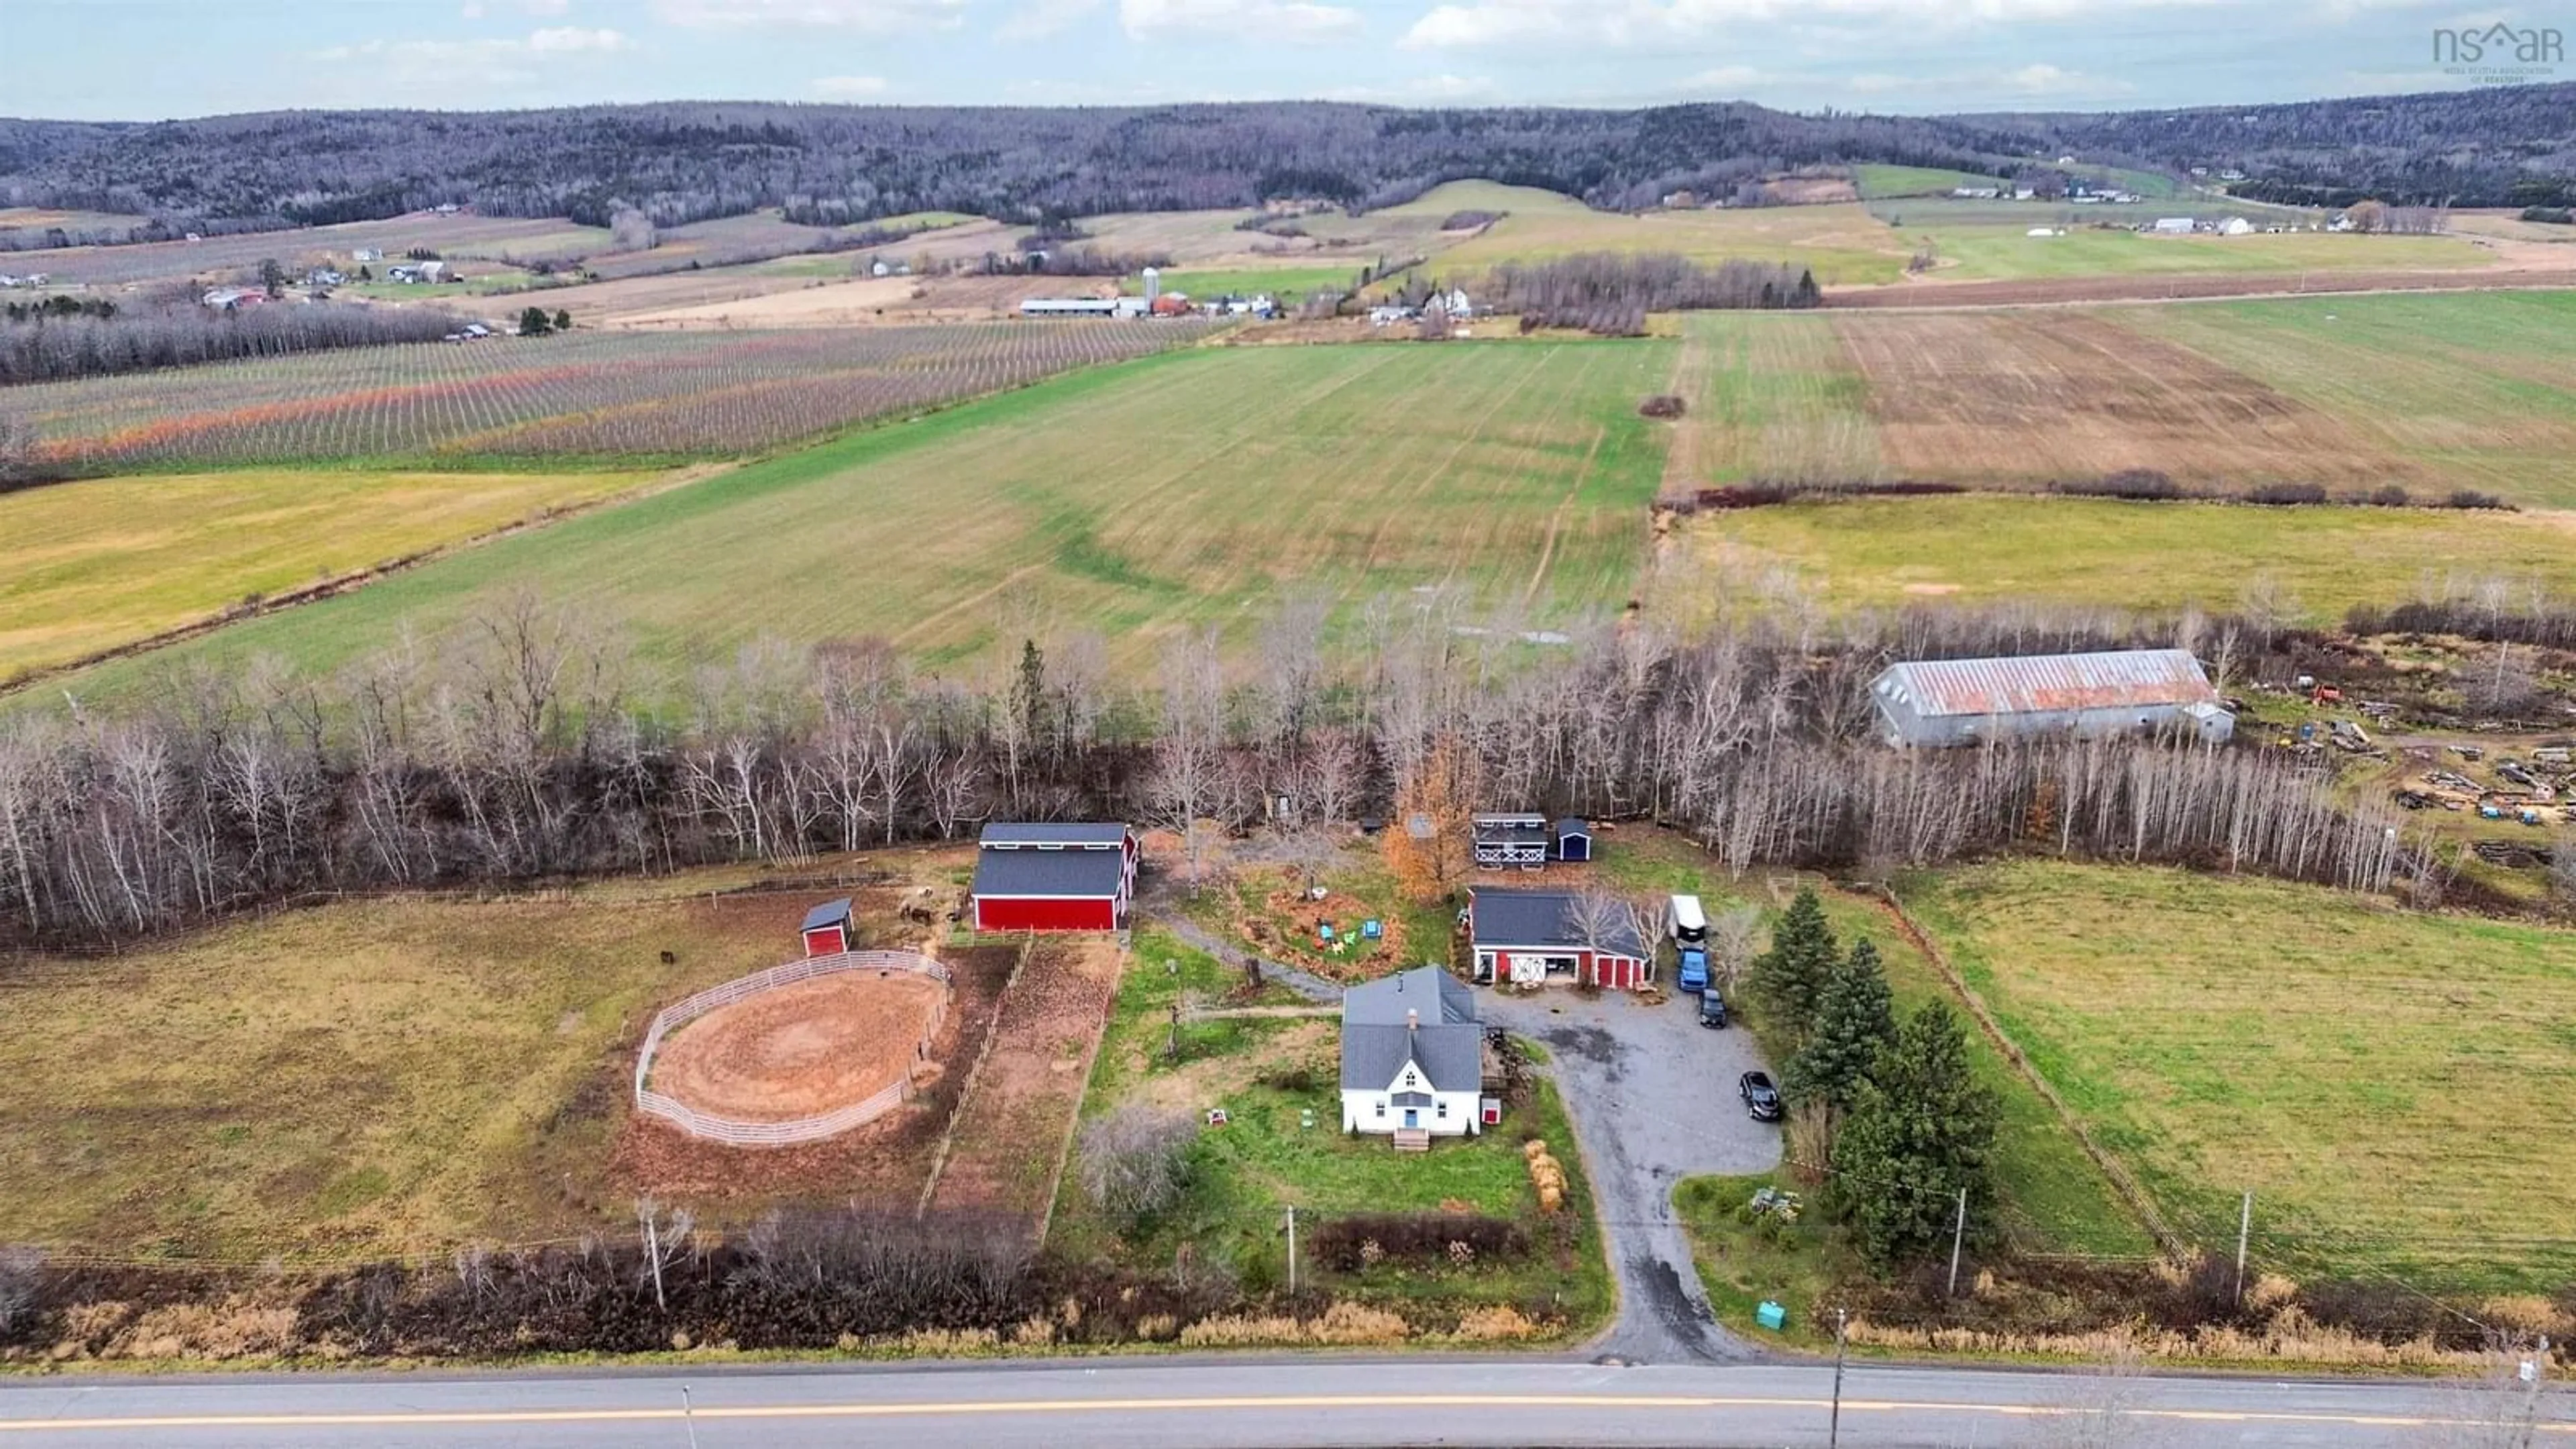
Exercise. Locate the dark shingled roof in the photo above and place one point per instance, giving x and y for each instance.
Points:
(1572, 825)
(1092, 874)
(1072, 832)
(1509, 917)
(830, 913)
(1437, 995)
(1449, 1044)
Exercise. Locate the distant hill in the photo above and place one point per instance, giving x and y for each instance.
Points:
(688, 161)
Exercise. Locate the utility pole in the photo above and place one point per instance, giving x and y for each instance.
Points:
(2244, 1234)
(653, 1252)
(1292, 1250)
(2534, 1369)
(1958, 1235)
(1834, 1425)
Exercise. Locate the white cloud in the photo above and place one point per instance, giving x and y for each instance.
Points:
(477, 9)
(2038, 80)
(1419, 91)
(1247, 21)
(1724, 77)
(1039, 19)
(846, 87)
(866, 17)
(562, 39)
(1467, 23)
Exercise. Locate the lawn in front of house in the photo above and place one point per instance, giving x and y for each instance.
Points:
(1272, 1074)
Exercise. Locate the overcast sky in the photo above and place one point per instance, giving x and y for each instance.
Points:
(151, 59)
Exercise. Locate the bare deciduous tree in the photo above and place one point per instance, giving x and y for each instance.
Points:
(1134, 1159)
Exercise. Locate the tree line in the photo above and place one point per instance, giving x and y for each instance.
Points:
(531, 744)
(1611, 292)
(834, 165)
(48, 345)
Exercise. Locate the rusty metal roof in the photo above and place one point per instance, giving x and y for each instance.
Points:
(2111, 680)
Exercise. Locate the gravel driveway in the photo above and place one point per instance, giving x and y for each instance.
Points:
(1652, 1096)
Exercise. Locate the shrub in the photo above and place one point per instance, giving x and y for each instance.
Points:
(2390, 496)
(1661, 405)
(1135, 1159)
(2472, 498)
(1469, 220)
(1345, 1244)
(2286, 495)
(2145, 484)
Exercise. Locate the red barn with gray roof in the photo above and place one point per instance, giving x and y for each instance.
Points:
(1054, 877)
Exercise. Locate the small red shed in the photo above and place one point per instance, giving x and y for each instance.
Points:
(827, 929)
(1054, 877)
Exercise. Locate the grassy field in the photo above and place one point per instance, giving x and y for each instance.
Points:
(88, 566)
(361, 1078)
(1842, 243)
(2387, 1084)
(1884, 553)
(2476, 390)
(1880, 182)
(1272, 1074)
(2431, 392)
(2053, 1198)
(1136, 500)
(1991, 252)
(1771, 396)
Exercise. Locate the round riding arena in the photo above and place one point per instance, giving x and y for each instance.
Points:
(795, 1053)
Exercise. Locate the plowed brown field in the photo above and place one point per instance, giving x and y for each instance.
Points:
(2006, 396)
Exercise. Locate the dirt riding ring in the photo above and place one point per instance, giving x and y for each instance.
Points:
(796, 1053)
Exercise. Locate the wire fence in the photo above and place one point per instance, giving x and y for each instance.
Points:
(737, 1133)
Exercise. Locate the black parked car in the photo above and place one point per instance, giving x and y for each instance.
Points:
(1712, 1008)
(1760, 1097)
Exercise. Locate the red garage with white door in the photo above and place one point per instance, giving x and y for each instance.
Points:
(1536, 937)
(1054, 877)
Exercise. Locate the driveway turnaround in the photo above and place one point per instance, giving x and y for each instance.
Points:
(1238, 1404)
(1652, 1096)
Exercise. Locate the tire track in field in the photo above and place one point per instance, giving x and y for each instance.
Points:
(1439, 471)
(1556, 518)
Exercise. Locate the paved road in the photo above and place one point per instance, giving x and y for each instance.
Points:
(1652, 1095)
(1141, 1404)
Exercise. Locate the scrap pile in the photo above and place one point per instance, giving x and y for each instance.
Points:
(2536, 792)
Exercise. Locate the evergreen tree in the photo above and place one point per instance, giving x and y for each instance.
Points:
(563, 319)
(1855, 1022)
(1921, 1128)
(533, 323)
(1029, 695)
(1788, 979)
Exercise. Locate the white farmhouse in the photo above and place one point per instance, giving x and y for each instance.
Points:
(1413, 1058)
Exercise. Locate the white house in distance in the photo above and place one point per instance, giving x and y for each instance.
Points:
(1413, 1059)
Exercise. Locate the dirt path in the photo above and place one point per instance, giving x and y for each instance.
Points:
(1690, 384)
(1015, 1124)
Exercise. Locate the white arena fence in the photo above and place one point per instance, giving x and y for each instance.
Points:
(805, 1129)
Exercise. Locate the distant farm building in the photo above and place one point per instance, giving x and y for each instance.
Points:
(1967, 701)
(1085, 307)
(2173, 226)
(1533, 937)
(1061, 877)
